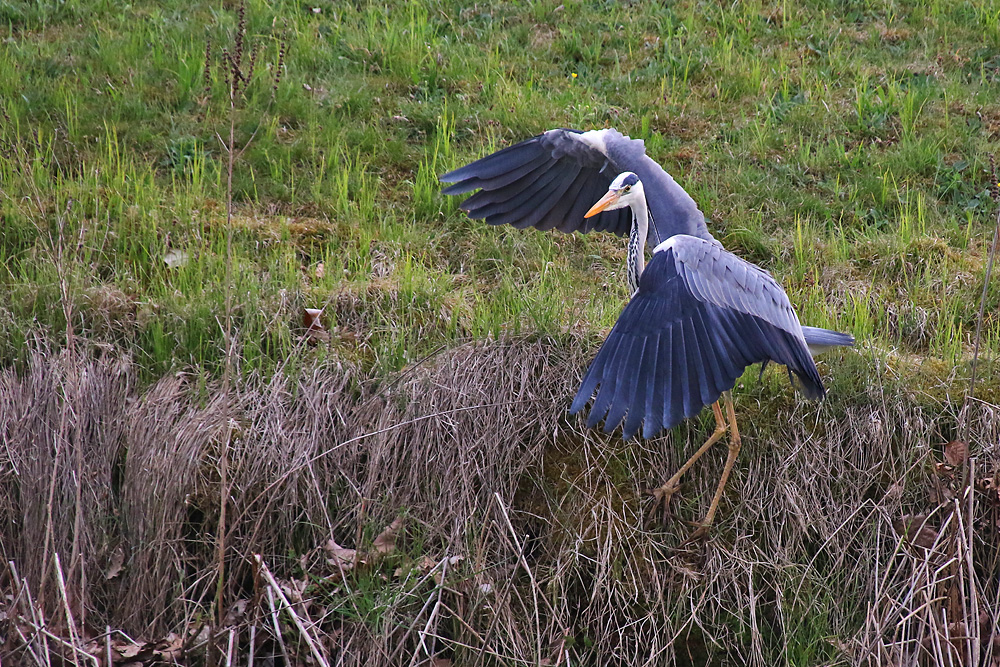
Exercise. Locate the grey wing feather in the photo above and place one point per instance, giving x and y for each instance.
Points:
(717, 276)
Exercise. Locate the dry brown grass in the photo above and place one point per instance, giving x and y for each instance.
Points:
(523, 537)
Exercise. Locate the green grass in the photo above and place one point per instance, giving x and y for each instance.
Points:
(843, 146)
(838, 145)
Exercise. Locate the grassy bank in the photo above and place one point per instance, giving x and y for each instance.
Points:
(845, 147)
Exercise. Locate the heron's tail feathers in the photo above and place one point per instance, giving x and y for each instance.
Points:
(821, 340)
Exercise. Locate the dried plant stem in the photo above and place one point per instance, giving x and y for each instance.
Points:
(70, 623)
(270, 487)
(49, 523)
(28, 647)
(465, 624)
(22, 586)
(982, 304)
(273, 584)
(401, 645)
(57, 254)
(970, 491)
(229, 648)
(276, 623)
(37, 622)
(426, 632)
(253, 639)
(68, 645)
(230, 147)
(527, 569)
(478, 421)
(227, 372)
(76, 554)
(238, 81)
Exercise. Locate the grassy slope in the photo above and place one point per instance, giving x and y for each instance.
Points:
(843, 147)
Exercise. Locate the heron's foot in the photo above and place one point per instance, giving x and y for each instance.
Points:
(698, 535)
(662, 495)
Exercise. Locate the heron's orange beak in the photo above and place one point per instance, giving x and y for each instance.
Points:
(606, 201)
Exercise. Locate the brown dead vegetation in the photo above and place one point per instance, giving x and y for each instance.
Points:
(454, 513)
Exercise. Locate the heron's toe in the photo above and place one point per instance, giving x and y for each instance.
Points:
(699, 534)
(662, 495)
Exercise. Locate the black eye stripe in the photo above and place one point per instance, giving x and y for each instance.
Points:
(625, 182)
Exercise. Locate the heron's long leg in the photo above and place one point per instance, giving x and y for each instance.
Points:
(734, 449)
(664, 493)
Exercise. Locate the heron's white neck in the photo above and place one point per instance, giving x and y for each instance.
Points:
(637, 242)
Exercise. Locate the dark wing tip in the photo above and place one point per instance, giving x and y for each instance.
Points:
(809, 384)
(457, 188)
(580, 401)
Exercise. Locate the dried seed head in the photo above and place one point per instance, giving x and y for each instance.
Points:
(208, 68)
(282, 47)
(241, 29)
(227, 69)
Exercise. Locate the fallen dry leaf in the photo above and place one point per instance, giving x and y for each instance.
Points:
(913, 528)
(944, 469)
(956, 453)
(294, 589)
(942, 490)
(200, 635)
(115, 565)
(128, 652)
(311, 319)
(425, 564)
(338, 554)
(988, 486)
(169, 649)
(385, 543)
(315, 331)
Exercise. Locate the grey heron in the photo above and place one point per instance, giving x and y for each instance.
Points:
(698, 315)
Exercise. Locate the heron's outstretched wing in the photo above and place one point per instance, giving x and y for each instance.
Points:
(550, 181)
(700, 316)
(547, 182)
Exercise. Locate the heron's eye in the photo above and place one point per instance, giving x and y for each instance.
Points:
(626, 188)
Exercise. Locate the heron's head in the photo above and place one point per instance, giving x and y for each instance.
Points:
(624, 190)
